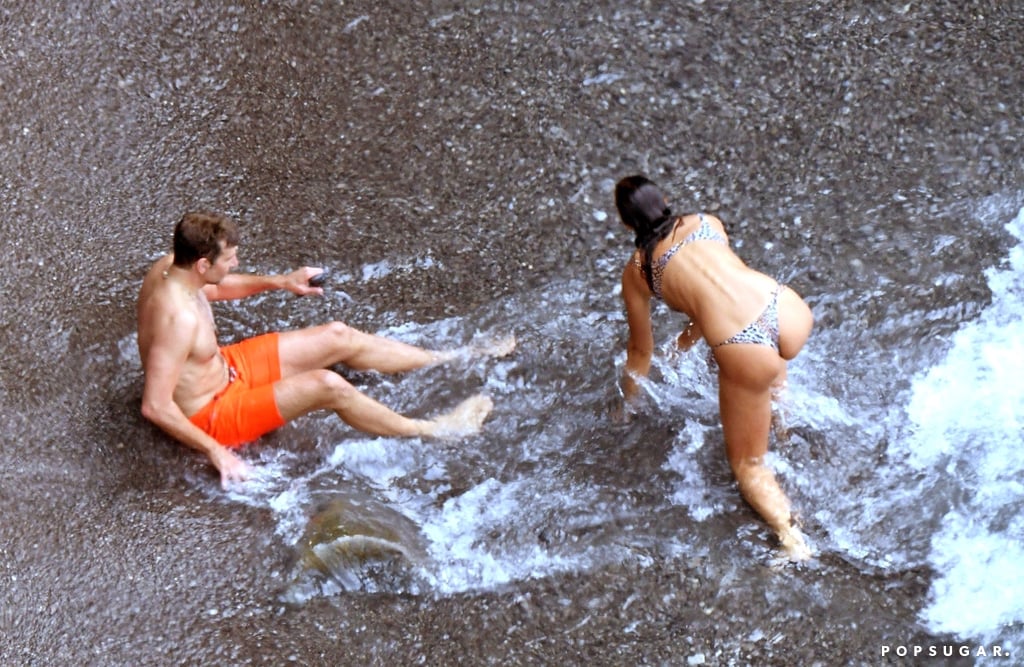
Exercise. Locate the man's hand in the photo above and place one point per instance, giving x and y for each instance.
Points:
(297, 282)
(231, 468)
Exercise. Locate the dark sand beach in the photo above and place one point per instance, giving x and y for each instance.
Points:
(470, 147)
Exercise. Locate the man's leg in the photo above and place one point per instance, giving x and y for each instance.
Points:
(337, 343)
(318, 389)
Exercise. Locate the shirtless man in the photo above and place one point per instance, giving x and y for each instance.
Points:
(214, 399)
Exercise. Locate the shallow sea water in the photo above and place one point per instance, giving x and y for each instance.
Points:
(453, 165)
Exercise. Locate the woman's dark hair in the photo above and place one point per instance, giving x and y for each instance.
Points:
(200, 234)
(643, 209)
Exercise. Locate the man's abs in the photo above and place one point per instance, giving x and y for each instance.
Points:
(200, 382)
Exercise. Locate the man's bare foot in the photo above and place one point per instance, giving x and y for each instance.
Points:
(466, 419)
(488, 347)
(494, 347)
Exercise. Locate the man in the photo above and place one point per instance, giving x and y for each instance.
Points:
(214, 399)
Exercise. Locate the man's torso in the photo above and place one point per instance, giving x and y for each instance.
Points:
(164, 304)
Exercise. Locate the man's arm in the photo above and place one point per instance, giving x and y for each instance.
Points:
(637, 298)
(167, 355)
(241, 285)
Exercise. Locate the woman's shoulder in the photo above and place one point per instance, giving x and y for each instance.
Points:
(633, 272)
(702, 216)
(635, 262)
(700, 226)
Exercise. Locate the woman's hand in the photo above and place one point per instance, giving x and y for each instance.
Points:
(690, 335)
(625, 407)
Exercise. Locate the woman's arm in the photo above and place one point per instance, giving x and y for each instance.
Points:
(690, 335)
(637, 298)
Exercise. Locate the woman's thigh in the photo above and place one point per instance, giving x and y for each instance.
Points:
(747, 374)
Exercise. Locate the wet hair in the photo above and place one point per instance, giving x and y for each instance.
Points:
(200, 234)
(643, 209)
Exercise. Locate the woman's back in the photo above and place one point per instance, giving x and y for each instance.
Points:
(701, 276)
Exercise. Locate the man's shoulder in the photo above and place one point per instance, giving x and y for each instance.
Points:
(160, 306)
(155, 270)
(160, 265)
(163, 303)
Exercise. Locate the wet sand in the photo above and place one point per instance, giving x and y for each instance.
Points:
(486, 132)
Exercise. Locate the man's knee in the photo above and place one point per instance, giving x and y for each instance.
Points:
(339, 330)
(342, 336)
(332, 385)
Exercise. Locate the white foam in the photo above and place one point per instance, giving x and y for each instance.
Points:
(693, 490)
(458, 539)
(980, 590)
(272, 484)
(602, 79)
(966, 418)
(379, 460)
(384, 268)
(496, 532)
(351, 25)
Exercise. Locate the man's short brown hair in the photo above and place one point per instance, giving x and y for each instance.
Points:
(202, 234)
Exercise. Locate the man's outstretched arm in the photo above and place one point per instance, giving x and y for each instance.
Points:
(241, 285)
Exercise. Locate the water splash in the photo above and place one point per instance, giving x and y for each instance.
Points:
(541, 492)
(966, 414)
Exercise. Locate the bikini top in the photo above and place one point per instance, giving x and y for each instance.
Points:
(704, 232)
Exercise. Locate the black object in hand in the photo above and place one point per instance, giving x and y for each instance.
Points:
(318, 280)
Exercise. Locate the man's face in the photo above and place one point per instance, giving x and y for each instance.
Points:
(226, 261)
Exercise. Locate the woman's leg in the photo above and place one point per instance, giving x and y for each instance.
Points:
(747, 375)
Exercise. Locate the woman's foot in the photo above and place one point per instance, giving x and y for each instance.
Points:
(793, 545)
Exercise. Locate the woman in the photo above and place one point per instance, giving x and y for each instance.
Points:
(752, 324)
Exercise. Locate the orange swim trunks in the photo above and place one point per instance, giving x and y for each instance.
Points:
(245, 409)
